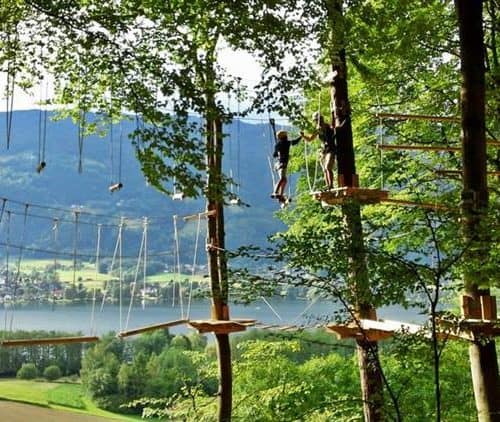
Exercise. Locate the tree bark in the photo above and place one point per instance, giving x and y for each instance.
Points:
(483, 357)
(369, 365)
(217, 260)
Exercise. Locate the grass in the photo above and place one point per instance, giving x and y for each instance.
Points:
(86, 273)
(56, 396)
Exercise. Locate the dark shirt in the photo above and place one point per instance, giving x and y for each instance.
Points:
(327, 136)
(282, 150)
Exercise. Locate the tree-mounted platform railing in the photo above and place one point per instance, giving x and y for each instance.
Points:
(152, 327)
(220, 326)
(48, 341)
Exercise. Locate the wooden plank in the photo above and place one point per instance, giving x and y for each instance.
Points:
(398, 116)
(199, 215)
(217, 326)
(419, 147)
(48, 341)
(153, 327)
(339, 196)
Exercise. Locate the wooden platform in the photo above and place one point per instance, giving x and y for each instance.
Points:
(339, 196)
(48, 341)
(152, 327)
(372, 330)
(219, 326)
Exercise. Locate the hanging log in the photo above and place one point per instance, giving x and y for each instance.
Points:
(152, 327)
(48, 341)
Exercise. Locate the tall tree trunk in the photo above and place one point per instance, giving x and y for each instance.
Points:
(217, 261)
(369, 365)
(483, 357)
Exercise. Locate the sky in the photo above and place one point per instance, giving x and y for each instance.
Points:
(238, 63)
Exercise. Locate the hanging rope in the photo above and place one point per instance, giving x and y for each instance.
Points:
(75, 246)
(120, 273)
(380, 143)
(238, 139)
(272, 309)
(55, 234)
(272, 140)
(81, 136)
(113, 260)
(11, 84)
(178, 263)
(18, 270)
(142, 254)
(7, 261)
(94, 293)
(195, 255)
(42, 130)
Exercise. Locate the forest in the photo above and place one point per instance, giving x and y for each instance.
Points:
(408, 94)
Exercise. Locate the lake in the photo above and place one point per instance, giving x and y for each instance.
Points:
(78, 317)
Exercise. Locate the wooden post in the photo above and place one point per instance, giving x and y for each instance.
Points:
(483, 356)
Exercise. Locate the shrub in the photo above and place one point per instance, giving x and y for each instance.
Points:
(27, 372)
(52, 372)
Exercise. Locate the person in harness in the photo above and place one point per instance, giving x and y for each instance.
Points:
(327, 136)
(282, 156)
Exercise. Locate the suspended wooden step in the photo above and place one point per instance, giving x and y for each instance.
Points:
(48, 341)
(152, 327)
(219, 326)
(199, 215)
(345, 194)
(376, 330)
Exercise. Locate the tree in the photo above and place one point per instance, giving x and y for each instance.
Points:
(483, 355)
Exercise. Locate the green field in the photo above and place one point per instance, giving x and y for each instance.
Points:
(87, 274)
(69, 397)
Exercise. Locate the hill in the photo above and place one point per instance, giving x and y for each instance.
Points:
(60, 185)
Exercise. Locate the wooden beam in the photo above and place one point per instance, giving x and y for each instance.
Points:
(152, 327)
(339, 196)
(398, 116)
(199, 215)
(419, 147)
(48, 341)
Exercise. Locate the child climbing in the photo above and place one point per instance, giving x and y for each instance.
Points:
(282, 154)
(326, 134)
